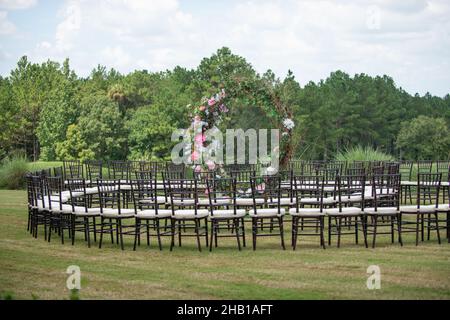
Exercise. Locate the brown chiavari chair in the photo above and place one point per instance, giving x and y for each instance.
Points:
(83, 217)
(185, 209)
(114, 210)
(146, 200)
(386, 203)
(223, 210)
(426, 208)
(311, 217)
(350, 206)
(267, 189)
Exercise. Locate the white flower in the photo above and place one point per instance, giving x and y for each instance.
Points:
(288, 124)
(271, 170)
(284, 134)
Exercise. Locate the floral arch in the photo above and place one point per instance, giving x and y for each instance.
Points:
(211, 110)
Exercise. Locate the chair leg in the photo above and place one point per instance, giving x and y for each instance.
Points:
(236, 228)
(213, 231)
(364, 228)
(243, 232)
(375, 224)
(280, 223)
(88, 232)
(216, 223)
(254, 231)
(172, 227)
(339, 225)
(111, 232)
(417, 229)
(329, 231)
(422, 226)
(101, 232)
(322, 226)
(197, 233)
(437, 227)
(72, 225)
(136, 231)
(294, 233)
(94, 225)
(148, 231)
(179, 231)
(206, 231)
(392, 228)
(448, 226)
(399, 228)
(119, 223)
(356, 229)
(428, 227)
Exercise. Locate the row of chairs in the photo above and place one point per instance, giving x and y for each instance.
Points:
(97, 169)
(347, 202)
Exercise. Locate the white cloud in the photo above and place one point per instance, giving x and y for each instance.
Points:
(6, 26)
(17, 4)
(312, 37)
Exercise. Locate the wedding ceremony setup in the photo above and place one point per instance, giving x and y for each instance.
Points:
(226, 158)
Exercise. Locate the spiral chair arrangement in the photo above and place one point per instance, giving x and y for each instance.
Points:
(105, 201)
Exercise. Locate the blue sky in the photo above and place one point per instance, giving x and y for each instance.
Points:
(408, 40)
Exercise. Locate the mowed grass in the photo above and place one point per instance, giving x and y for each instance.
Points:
(32, 268)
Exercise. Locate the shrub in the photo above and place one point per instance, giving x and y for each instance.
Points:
(12, 172)
(360, 153)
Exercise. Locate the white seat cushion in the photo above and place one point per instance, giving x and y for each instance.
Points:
(328, 200)
(151, 214)
(81, 211)
(351, 199)
(428, 209)
(76, 194)
(183, 202)
(93, 190)
(114, 213)
(190, 214)
(444, 207)
(219, 214)
(267, 212)
(382, 210)
(222, 201)
(347, 211)
(409, 209)
(248, 201)
(66, 208)
(306, 212)
(284, 201)
(56, 198)
(422, 209)
(159, 199)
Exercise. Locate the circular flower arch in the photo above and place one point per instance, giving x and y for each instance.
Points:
(212, 110)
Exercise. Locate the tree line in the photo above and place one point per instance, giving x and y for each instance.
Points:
(48, 112)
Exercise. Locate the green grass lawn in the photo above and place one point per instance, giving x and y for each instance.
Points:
(32, 268)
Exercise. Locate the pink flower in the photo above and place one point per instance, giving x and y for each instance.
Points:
(198, 168)
(195, 156)
(206, 191)
(202, 108)
(211, 102)
(211, 165)
(200, 138)
(261, 187)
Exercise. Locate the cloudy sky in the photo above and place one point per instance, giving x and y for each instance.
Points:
(408, 39)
